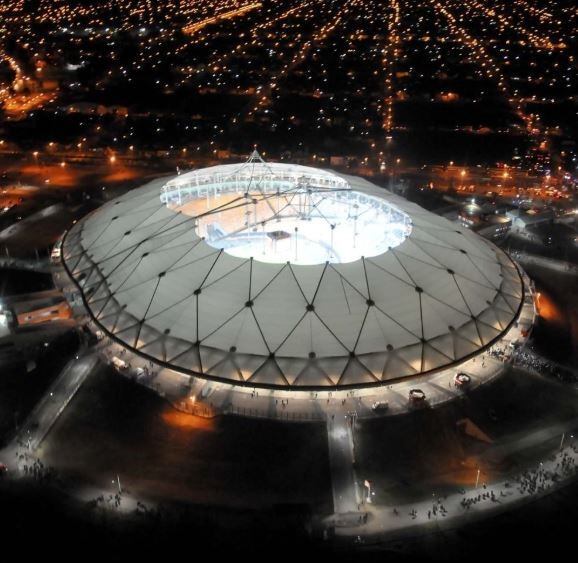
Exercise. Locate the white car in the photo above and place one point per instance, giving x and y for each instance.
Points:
(380, 406)
(56, 252)
(462, 379)
(416, 396)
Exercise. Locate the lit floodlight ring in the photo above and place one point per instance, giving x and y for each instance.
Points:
(278, 217)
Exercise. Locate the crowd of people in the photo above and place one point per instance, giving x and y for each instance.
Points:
(531, 481)
(528, 360)
(107, 502)
(33, 467)
(467, 503)
(500, 352)
(437, 508)
(540, 479)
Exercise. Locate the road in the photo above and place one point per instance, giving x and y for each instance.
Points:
(341, 459)
(55, 400)
(197, 26)
(42, 265)
(551, 263)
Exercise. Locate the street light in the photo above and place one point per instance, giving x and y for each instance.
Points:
(367, 485)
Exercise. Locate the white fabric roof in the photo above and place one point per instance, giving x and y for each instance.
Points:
(151, 282)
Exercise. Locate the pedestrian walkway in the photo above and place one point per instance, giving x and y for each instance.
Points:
(54, 401)
(389, 522)
(208, 398)
(341, 460)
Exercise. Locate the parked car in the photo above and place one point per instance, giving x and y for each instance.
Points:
(462, 379)
(416, 396)
(380, 406)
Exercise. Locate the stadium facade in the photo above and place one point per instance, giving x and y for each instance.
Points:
(288, 278)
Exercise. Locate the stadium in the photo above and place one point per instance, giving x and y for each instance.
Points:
(288, 279)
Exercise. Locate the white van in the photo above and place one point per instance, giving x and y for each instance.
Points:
(118, 363)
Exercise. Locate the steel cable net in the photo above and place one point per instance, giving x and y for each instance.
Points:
(153, 283)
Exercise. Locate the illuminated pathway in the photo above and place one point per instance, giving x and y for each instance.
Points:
(389, 522)
(341, 459)
(53, 403)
